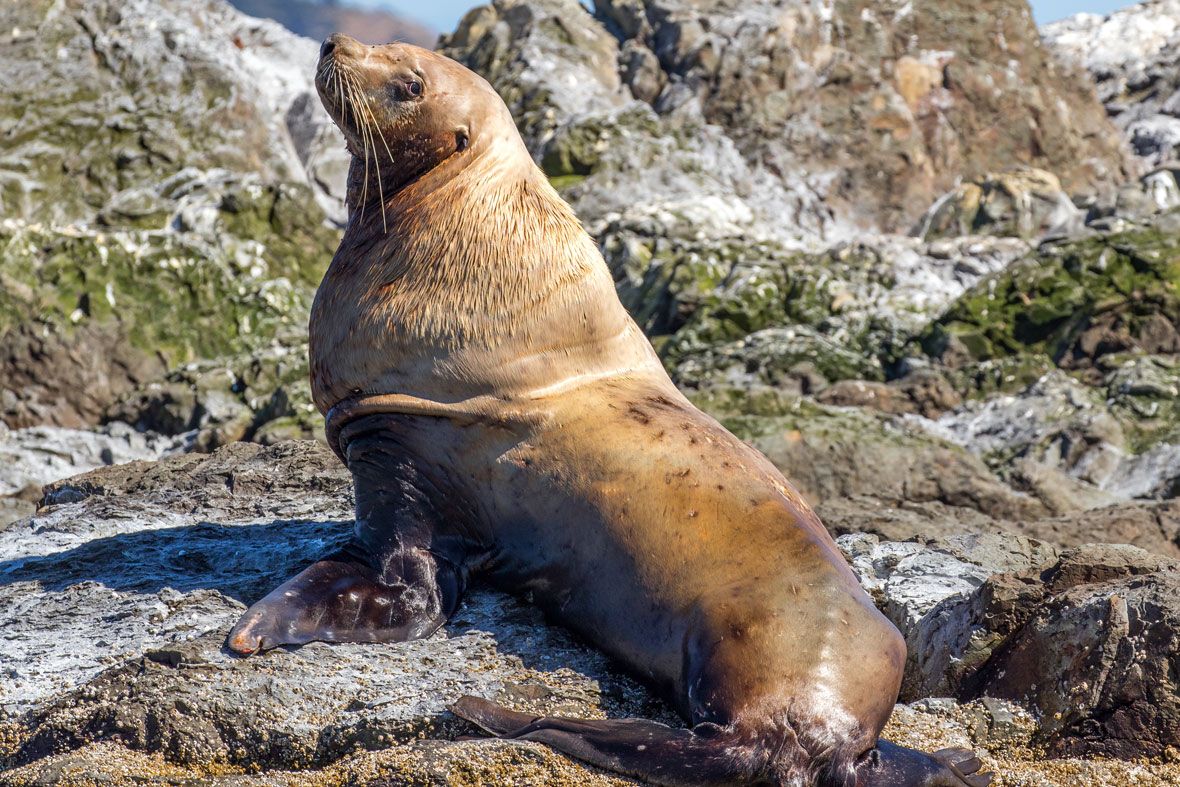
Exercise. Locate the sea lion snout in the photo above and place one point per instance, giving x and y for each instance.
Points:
(403, 110)
(346, 44)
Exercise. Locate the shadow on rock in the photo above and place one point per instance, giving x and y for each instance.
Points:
(243, 562)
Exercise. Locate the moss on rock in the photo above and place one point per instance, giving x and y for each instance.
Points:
(1073, 301)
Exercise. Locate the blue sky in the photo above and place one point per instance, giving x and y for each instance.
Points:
(444, 15)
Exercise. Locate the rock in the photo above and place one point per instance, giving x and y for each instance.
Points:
(264, 396)
(830, 454)
(922, 392)
(715, 305)
(1132, 57)
(33, 457)
(14, 509)
(1154, 527)
(795, 359)
(1063, 442)
(926, 591)
(119, 592)
(1022, 202)
(129, 305)
(1139, 201)
(166, 193)
(904, 520)
(1094, 653)
(116, 95)
(1085, 637)
(632, 98)
(1072, 300)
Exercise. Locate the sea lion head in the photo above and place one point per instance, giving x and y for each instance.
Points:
(403, 110)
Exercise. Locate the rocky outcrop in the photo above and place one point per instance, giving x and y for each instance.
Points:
(118, 593)
(166, 182)
(1085, 638)
(857, 110)
(1132, 55)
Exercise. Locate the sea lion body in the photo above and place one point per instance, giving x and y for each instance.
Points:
(503, 414)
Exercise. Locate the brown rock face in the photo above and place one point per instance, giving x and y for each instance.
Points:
(1090, 644)
(897, 99)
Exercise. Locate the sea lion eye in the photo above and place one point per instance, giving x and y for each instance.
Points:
(414, 88)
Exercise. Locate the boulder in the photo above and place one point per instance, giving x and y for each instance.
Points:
(1089, 644)
(1022, 202)
(1138, 201)
(1085, 638)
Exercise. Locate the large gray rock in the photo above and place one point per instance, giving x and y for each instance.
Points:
(926, 590)
(1133, 58)
(1062, 440)
(117, 595)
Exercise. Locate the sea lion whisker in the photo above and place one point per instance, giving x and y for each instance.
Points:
(360, 107)
(350, 92)
(388, 152)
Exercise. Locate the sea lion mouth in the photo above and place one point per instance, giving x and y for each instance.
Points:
(341, 81)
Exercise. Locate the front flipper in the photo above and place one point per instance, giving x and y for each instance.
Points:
(890, 765)
(656, 753)
(403, 574)
(341, 599)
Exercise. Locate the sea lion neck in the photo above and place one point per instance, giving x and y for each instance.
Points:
(478, 280)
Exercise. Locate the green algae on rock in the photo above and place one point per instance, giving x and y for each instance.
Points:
(237, 266)
(1074, 301)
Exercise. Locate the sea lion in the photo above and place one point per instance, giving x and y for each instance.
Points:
(501, 413)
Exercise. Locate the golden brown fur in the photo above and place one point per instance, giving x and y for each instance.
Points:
(501, 413)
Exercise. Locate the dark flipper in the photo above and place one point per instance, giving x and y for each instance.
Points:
(890, 765)
(656, 753)
(401, 578)
(344, 600)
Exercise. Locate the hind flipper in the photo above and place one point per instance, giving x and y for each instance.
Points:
(647, 750)
(342, 599)
(890, 765)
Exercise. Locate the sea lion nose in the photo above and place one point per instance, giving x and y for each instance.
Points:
(329, 45)
(337, 41)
